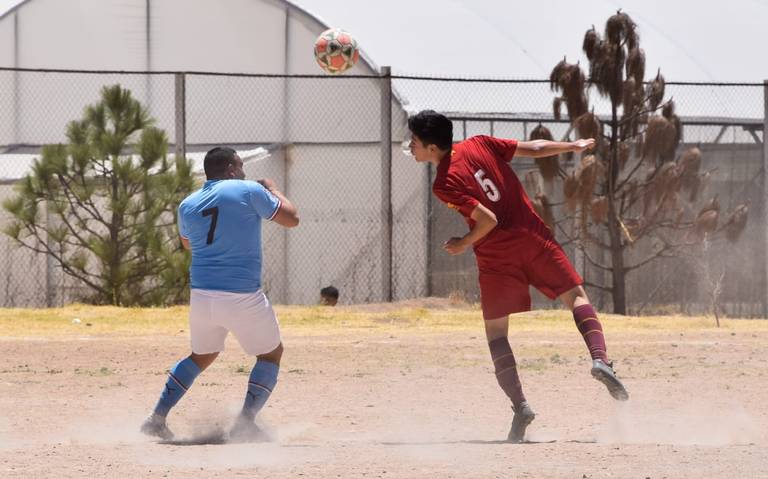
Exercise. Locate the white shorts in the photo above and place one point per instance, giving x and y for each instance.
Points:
(250, 317)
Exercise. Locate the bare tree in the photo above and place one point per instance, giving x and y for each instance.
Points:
(632, 189)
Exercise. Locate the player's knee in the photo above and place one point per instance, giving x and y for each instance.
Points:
(203, 360)
(496, 328)
(574, 297)
(273, 356)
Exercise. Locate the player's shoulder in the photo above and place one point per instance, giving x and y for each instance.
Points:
(245, 185)
(479, 139)
(471, 145)
(487, 141)
(191, 200)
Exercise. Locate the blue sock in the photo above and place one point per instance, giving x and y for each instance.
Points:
(180, 379)
(260, 385)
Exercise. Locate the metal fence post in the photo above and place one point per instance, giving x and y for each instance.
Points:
(180, 94)
(765, 195)
(50, 294)
(148, 50)
(16, 127)
(430, 230)
(386, 182)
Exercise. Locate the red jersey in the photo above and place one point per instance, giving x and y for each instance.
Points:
(477, 172)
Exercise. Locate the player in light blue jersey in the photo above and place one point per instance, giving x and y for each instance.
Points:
(221, 225)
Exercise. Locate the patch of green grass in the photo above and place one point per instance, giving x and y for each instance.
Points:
(344, 320)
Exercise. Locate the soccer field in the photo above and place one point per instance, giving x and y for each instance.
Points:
(393, 391)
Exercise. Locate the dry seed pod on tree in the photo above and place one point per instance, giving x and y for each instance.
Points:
(636, 66)
(571, 191)
(531, 183)
(544, 209)
(549, 167)
(736, 222)
(706, 222)
(660, 137)
(655, 91)
(599, 209)
(588, 126)
(587, 175)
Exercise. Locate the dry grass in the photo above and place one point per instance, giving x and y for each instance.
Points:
(417, 316)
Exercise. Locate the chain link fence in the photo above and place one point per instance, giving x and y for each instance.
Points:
(369, 225)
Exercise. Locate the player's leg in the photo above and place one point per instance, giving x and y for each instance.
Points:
(180, 379)
(503, 359)
(256, 328)
(591, 330)
(496, 331)
(261, 382)
(501, 295)
(552, 273)
(575, 299)
(207, 341)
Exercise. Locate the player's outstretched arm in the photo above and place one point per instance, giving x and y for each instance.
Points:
(287, 215)
(541, 148)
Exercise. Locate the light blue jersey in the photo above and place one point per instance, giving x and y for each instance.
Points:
(222, 222)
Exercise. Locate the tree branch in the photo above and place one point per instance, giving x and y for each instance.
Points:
(64, 266)
(643, 112)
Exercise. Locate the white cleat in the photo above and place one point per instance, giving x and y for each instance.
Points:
(155, 426)
(245, 430)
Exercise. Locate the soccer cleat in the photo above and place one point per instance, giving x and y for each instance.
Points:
(524, 415)
(605, 374)
(155, 426)
(245, 430)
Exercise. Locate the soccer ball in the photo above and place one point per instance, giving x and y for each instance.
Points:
(336, 51)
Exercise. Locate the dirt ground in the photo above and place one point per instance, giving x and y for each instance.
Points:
(392, 402)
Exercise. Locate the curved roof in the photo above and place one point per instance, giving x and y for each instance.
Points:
(130, 35)
(690, 40)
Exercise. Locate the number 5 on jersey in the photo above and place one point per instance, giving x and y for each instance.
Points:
(490, 189)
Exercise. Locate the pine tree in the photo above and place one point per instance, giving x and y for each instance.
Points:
(111, 197)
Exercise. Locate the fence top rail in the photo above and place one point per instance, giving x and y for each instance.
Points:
(345, 76)
(544, 118)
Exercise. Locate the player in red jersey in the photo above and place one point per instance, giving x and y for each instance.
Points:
(514, 248)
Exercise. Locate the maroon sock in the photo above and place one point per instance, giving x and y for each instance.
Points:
(591, 330)
(506, 370)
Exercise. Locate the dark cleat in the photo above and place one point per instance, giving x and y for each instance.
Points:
(605, 374)
(155, 426)
(524, 415)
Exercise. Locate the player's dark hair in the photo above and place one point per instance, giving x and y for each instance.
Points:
(217, 160)
(330, 292)
(432, 128)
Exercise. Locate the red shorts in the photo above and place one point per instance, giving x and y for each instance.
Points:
(510, 261)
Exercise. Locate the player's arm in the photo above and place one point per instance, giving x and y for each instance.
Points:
(287, 215)
(485, 221)
(183, 234)
(542, 148)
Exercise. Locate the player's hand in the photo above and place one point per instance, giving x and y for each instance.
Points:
(583, 144)
(455, 246)
(267, 183)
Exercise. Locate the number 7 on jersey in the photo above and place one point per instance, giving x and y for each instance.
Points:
(215, 213)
